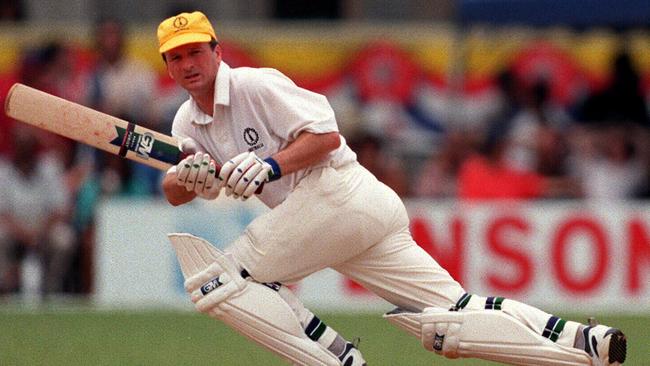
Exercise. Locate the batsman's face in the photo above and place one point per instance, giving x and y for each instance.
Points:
(194, 66)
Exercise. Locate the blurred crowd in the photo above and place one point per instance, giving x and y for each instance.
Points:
(52, 184)
(535, 148)
(528, 147)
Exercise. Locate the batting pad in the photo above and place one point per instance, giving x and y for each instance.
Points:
(216, 287)
(489, 335)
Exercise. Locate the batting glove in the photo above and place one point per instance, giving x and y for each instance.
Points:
(246, 172)
(198, 173)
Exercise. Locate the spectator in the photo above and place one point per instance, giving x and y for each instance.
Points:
(6, 124)
(609, 165)
(371, 154)
(488, 175)
(508, 99)
(613, 152)
(622, 101)
(535, 133)
(438, 177)
(35, 208)
(51, 68)
(121, 86)
(125, 88)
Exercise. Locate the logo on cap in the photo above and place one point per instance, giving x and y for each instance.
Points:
(180, 22)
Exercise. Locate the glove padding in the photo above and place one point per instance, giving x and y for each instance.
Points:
(244, 174)
(197, 173)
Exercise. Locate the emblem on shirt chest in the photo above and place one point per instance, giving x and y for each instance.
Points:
(252, 139)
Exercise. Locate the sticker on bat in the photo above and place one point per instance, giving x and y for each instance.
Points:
(145, 145)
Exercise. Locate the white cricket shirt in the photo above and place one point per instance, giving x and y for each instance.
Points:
(260, 110)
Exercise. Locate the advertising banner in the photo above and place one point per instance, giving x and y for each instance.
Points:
(570, 257)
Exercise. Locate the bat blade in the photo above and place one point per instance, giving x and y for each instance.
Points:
(94, 128)
(91, 127)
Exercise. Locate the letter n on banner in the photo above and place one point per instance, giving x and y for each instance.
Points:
(638, 255)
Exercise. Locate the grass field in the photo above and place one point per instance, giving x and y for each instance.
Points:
(183, 338)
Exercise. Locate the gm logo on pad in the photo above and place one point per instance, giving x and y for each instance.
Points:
(210, 286)
(438, 341)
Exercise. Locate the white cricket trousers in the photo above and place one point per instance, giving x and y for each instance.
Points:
(345, 219)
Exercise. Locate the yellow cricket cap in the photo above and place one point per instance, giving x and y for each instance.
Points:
(184, 28)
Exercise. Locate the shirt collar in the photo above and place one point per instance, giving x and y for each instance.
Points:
(222, 85)
(221, 95)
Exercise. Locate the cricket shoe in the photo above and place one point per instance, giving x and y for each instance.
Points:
(351, 356)
(606, 346)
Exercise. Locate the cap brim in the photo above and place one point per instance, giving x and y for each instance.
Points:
(183, 39)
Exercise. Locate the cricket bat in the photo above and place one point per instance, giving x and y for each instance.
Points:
(92, 127)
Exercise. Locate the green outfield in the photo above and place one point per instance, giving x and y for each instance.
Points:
(183, 338)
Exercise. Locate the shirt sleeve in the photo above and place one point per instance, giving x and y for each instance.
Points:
(289, 109)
